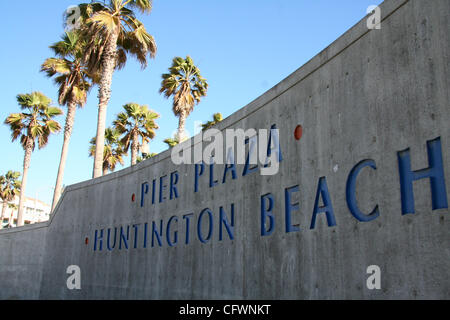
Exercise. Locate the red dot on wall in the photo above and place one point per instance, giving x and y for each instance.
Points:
(298, 133)
(133, 197)
(86, 241)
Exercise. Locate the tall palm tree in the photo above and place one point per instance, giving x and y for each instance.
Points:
(217, 117)
(187, 87)
(113, 151)
(36, 123)
(9, 189)
(138, 121)
(113, 32)
(74, 81)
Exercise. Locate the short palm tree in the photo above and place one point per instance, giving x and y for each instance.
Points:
(136, 123)
(217, 117)
(112, 152)
(113, 32)
(146, 156)
(9, 189)
(187, 87)
(36, 123)
(171, 142)
(74, 81)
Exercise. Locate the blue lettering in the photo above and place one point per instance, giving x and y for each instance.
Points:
(289, 208)
(173, 181)
(175, 240)
(230, 165)
(135, 227)
(155, 233)
(124, 239)
(212, 182)
(224, 222)
(144, 191)
(351, 193)
(199, 226)
(99, 239)
(153, 191)
(187, 217)
(251, 150)
(145, 235)
(276, 145)
(199, 168)
(322, 191)
(435, 172)
(267, 212)
(110, 248)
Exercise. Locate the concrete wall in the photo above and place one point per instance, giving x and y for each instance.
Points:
(21, 261)
(369, 95)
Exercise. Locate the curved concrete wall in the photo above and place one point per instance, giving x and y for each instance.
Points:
(374, 98)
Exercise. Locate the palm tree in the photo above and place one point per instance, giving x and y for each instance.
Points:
(187, 87)
(138, 121)
(217, 117)
(112, 152)
(9, 189)
(113, 32)
(171, 142)
(36, 123)
(145, 156)
(13, 208)
(74, 81)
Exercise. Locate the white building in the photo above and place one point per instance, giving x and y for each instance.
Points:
(34, 211)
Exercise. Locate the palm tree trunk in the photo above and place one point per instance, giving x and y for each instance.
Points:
(70, 118)
(181, 126)
(134, 149)
(105, 171)
(26, 165)
(4, 205)
(104, 94)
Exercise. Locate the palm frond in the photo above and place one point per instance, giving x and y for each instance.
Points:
(69, 72)
(113, 151)
(185, 84)
(137, 120)
(171, 142)
(37, 123)
(145, 6)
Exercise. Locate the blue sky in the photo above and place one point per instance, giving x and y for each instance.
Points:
(242, 47)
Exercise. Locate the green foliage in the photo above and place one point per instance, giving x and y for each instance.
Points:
(185, 83)
(113, 152)
(137, 121)
(145, 157)
(13, 206)
(36, 123)
(171, 142)
(10, 186)
(69, 70)
(217, 117)
(101, 20)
